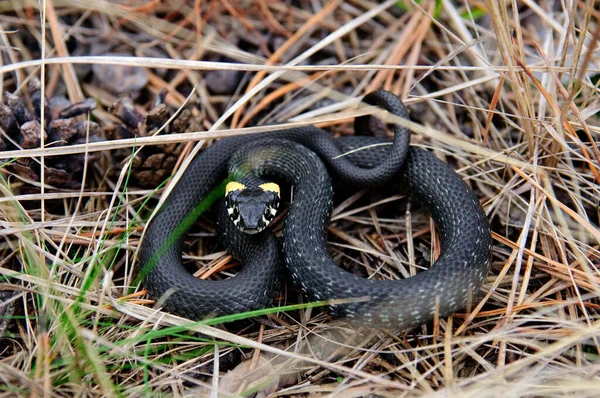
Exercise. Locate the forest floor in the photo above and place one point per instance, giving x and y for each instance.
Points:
(131, 90)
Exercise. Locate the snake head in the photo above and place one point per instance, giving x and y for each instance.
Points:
(251, 208)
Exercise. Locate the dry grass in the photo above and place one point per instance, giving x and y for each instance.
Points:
(507, 93)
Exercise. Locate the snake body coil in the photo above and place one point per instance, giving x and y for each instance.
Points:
(297, 155)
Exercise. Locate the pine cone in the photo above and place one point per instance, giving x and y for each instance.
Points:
(22, 129)
(153, 163)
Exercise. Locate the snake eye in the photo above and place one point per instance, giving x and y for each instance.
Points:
(233, 211)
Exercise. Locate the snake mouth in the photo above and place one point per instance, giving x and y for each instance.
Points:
(256, 224)
(252, 231)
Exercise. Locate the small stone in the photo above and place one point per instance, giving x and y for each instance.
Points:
(120, 79)
(223, 82)
(256, 373)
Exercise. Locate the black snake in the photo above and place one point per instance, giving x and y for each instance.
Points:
(302, 156)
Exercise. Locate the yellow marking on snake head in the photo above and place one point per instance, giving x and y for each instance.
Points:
(233, 186)
(270, 186)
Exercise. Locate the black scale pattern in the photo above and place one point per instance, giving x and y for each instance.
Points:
(464, 230)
